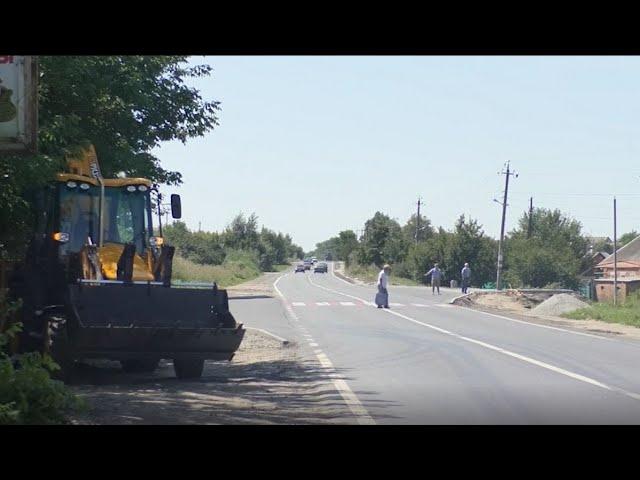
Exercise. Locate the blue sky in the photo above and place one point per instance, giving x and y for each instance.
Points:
(315, 145)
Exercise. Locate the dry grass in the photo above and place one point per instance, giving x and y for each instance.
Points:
(370, 274)
(225, 275)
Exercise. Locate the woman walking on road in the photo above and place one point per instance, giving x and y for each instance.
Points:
(382, 297)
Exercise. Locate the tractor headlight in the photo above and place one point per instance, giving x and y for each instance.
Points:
(85, 186)
(71, 184)
(61, 237)
(142, 188)
(156, 241)
(131, 188)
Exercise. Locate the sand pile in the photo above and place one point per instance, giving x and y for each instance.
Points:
(559, 304)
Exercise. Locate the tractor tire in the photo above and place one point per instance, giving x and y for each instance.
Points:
(58, 346)
(139, 365)
(188, 368)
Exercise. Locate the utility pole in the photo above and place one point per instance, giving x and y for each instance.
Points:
(507, 174)
(418, 220)
(530, 218)
(615, 256)
(199, 225)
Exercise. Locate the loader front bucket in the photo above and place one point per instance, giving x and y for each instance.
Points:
(120, 321)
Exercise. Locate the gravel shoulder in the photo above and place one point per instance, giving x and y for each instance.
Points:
(258, 287)
(521, 307)
(266, 383)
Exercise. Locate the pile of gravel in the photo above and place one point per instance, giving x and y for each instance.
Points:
(559, 304)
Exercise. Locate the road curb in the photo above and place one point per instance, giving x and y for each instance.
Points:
(284, 341)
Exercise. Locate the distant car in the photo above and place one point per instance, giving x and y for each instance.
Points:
(307, 264)
(300, 268)
(314, 259)
(320, 268)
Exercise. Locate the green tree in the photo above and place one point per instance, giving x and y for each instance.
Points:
(626, 238)
(554, 254)
(425, 230)
(125, 106)
(347, 243)
(382, 241)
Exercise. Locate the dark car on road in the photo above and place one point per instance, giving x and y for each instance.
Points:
(300, 268)
(307, 264)
(320, 268)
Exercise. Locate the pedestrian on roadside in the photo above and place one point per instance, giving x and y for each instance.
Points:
(436, 276)
(466, 277)
(382, 297)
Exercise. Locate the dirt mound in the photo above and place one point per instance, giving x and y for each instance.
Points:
(559, 304)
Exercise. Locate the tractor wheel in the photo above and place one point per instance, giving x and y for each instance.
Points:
(188, 368)
(58, 346)
(139, 365)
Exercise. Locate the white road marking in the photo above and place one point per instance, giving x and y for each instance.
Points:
(396, 304)
(298, 304)
(347, 304)
(419, 305)
(313, 344)
(350, 398)
(503, 351)
(537, 324)
(323, 304)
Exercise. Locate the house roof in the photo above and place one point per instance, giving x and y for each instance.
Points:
(628, 253)
(621, 264)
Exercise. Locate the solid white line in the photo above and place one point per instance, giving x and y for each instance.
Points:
(523, 358)
(535, 324)
(333, 266)
(350, 398)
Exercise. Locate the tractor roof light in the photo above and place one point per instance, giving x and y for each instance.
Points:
(142, 188)
(131, 188)
(71, 184)
(85, 186)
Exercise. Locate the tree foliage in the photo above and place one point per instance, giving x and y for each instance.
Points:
(554, 253)
(241, 235)
(125, 105)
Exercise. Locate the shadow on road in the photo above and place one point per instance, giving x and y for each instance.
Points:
(286, 391)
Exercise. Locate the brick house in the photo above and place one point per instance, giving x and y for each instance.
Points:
(628, 263)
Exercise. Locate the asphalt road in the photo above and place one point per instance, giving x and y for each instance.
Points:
(427, 362)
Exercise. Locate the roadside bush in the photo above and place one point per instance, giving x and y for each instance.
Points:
(28, 394)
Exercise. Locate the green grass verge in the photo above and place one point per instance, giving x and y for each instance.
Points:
(226, 275)
(370, 274)
(627, 313)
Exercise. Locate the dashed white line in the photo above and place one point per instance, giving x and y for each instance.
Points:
(298, 304)
(350, 398)
(323, 304)
(347, 304)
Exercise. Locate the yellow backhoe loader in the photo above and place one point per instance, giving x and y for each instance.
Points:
(96, 282)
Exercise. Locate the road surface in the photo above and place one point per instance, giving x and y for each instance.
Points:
(425, 361)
